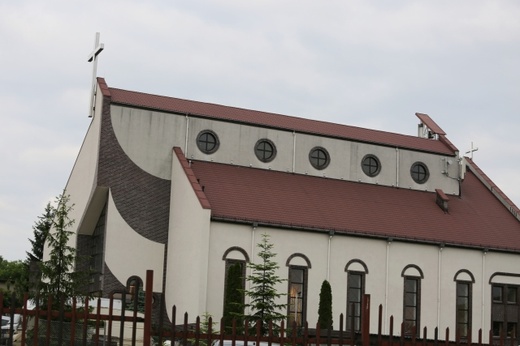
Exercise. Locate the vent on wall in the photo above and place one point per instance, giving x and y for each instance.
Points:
(442, 200)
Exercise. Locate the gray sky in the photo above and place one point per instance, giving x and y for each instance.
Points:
(364, 63)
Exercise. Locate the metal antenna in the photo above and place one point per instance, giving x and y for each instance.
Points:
(98, 48)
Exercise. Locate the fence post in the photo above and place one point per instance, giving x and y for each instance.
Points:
(365, 324)
(148, 299)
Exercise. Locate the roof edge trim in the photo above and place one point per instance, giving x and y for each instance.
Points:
(197, 188)
(353, 233)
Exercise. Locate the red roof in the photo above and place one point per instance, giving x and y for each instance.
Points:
(272, 120)
(243, 194)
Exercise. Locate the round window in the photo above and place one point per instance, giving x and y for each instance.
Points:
(319, 158)
(207, 142)
(419, 172)
(371, 165)
(265, 150)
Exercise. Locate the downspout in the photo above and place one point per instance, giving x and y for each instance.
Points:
(388, 243)
(396, 167)
(253, 229)
(483, 286)
(331, 234)
(186, 136)
(294, 152)
(439, 297)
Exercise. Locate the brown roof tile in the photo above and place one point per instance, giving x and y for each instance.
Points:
(476, 219)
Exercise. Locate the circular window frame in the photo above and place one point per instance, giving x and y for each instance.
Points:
(203, 149)
(366, 168)
(257, 152)
(312, 160)
(414, 174)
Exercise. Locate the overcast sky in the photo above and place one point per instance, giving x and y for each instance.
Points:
(364, 63)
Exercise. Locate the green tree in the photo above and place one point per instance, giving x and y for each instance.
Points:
(12, 274)
(234, 297)
(325, 306)
(30, 280)
(263, 293)
(40, 230)
(58, 278)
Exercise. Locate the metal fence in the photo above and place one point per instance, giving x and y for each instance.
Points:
(91, 323)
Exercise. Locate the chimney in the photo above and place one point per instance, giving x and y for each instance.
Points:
(442, 200)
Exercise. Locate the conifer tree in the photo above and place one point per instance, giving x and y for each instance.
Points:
(40, 230)
(58, 277)
(325, 306)
(262, 293)
(234, 297)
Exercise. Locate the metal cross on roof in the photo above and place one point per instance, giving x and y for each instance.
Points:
(471, 151)
(98, 48)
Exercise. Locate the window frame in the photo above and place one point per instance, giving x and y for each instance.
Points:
(358, 314)
(262, 158)
(417, 307)
(499, 319)
(203, 148)
(314, 161)
(463, 335)
(366, 168)
(416, 174)
(302, 298)
(228, 263)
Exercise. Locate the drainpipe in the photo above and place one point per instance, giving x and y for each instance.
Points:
(396, 167)
(482, 288)
(294, 152)
(388, 243)
(331, 234)
(253, 229)
(439, 297)
(186, 137)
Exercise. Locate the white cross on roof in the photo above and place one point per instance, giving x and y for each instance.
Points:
(98, 48)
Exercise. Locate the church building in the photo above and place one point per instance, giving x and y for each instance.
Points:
(187, 188)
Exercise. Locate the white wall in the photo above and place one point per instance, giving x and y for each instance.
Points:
(384, 282)
(147, 138)
(127, 253)
(188, 247)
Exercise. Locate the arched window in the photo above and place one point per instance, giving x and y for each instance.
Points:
(299, 266)
(412, 275)
(234, 283)
(356, 272)
(464, 281)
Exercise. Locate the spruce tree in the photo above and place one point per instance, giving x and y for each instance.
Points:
(325, 306)
(262, 293)
(40, 230)
(58, 278)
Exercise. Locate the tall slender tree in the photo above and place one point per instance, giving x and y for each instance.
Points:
(234, 297)
(58, 277)
(262, 293)
(32, 275)
(325, 306)
(40, 230)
